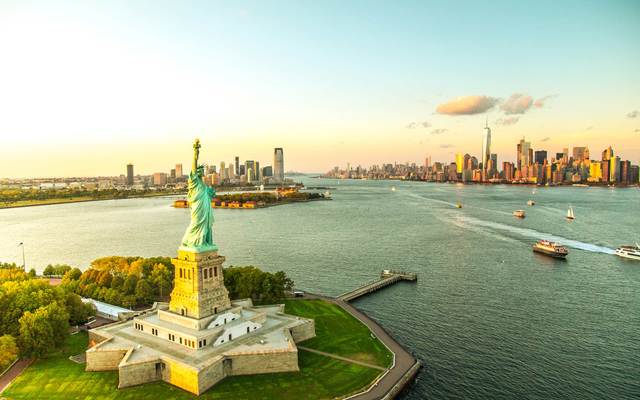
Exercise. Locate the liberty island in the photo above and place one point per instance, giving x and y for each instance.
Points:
(200, 337)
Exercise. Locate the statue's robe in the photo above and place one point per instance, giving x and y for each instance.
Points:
(199, 234)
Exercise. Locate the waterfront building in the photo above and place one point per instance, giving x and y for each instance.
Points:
(159, 178)
(129, 174)
(267, 171)
(634, 175)
(595, 171)
(278, 164)
(540, 156)
(607, 154)
(614, 169)
(459, 163)
(486, 149)
(507, 171)
(179, 173)
(524, 151)
(237, 166)
(625, 171)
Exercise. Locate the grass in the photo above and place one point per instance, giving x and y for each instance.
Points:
(338, 332)
(56, 377)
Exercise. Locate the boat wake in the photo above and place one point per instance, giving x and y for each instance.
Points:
(532, 233)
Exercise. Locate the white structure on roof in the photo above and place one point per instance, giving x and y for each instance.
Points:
(109, 311)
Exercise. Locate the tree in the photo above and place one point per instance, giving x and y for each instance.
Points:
(72, 275)
(129, 285)
(104, 279)
(8, 351)
(161, 279)
(144, 292)
(79, 311)
(117, 282)
(43, 330)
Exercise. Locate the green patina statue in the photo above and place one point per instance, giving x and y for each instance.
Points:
(199, 234)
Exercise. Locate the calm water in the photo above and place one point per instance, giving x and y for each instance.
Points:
(489, 319)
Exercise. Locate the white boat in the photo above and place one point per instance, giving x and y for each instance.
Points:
(570, 215)
(393, 188)
(518, 213)
(531, 203)
(632, 252)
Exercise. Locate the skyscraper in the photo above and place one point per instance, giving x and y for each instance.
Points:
(580, 153)
(278, 164)
(237, 165)
(524, 154)
(486, 149)
(178, 170)
(129, 174)
(540, 156)
(459, 163)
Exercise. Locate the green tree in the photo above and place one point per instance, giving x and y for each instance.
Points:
(144, 292)
(129, 285)
(161, 279)
(117, 282)
(79, 311)
(8, 351)
(72, 275)
(43, 330)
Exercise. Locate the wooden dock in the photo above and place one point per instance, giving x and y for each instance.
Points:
(387, 277)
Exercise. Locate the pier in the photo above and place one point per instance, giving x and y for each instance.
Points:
(387, 277)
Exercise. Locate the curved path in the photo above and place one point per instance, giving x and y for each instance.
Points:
(12, 373)
(404, 367)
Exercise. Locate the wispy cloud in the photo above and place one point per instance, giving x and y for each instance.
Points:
(414, 125)
(438, 131)
(637, 130)
(588, 128)
(539, 103)
(517, 103)
(546, 139)
(446, 146)
(633, 114)
(467, 105)
(507, 121)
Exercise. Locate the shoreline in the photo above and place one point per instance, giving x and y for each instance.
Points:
(84, 200)
(582, 185)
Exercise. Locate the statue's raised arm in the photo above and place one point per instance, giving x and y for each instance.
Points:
(196, 154)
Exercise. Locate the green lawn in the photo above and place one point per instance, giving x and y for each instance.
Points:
(338, 332)
(320, 377)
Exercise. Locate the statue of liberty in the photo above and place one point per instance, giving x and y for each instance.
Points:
(199, 234)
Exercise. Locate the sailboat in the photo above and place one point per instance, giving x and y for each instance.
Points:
(570, 215)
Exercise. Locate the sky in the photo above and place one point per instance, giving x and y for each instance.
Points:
(89, 86)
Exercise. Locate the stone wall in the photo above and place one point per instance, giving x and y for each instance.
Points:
(95, 338)
(250, 364)
(104, 360)
(210, 375)
(304, 331)
(181, 375)
(138, 373)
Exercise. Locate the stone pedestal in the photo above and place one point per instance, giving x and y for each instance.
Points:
(199, 290)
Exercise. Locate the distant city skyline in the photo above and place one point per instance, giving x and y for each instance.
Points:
(89, 88)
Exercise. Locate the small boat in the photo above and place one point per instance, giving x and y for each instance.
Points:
(459, 205)
(518, 213)
(531, 203)
(393, 188)
(570, 215)
(632, 252)
(550, 249)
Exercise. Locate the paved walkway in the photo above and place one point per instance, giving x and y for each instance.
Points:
(13, 373)
(337, 357)
(405, 367)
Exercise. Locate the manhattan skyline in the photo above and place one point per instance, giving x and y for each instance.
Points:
(331, 83)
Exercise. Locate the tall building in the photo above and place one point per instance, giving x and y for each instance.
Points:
(250, 167)
(486, 149)
(524, 154)
(459, 163)
(237, 164)
(278, 164)
(178, 170)
(223, 172)
(129, 174)
(540, 156)
(267, 171)
(579, 154)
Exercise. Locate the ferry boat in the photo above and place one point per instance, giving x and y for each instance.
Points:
(570, 215)
(550, 249)
(518, 213)
(531, 203)
(632, 252)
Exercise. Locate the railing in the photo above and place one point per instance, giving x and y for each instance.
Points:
(387, 277)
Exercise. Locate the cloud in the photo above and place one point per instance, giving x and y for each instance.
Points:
(507, 121)
(637, 130)
(467, 105)
(633, 114)
(438, 131)
(414, 125)
(588, 128)
(518, 103)
(546, 139)
(541, 101)
(446, 146)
